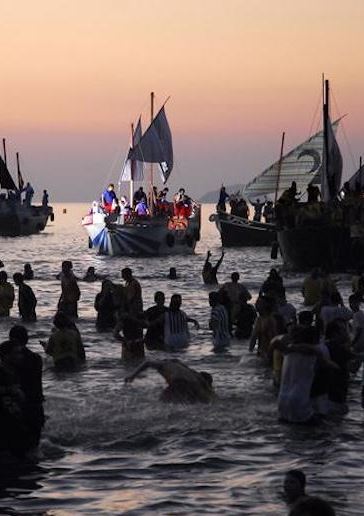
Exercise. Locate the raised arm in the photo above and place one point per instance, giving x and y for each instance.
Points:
(207, 258)
(221, 259)
(153, 364)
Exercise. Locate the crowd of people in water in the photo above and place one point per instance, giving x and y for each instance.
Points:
(289, 211)
(143, 206)
(312, 354)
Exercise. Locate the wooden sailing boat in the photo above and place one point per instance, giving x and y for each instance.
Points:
(302, 164)
(160, 233)
(331, 236)
(17, 218)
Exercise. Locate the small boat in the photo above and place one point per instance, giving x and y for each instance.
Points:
(19, 218)
(330, 233)
(237, 231)
(302, 164)
(163, 232)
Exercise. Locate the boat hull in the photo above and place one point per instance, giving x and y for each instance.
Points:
(238, 232)
(150, 237)
(333, 247)
(21, 220)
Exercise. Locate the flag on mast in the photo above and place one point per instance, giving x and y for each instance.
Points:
(133, 169)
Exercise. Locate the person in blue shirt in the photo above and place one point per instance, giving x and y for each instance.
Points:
(109, 198)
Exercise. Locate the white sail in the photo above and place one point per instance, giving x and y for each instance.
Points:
(155, 146)
(133, 169)
(302, 164)
(332, 166)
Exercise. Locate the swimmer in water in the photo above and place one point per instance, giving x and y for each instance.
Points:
(209, 272)
(184, 385)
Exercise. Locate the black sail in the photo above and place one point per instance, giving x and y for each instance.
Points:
(6, 181)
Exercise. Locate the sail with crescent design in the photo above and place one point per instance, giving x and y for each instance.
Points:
(302, 164)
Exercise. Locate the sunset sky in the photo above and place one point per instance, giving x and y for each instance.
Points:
(76, 73)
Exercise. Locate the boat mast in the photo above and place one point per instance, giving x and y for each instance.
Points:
(4, 148)
(18, 169)
(326, 117)
(132, 167)
(279, 168)
(151, 204)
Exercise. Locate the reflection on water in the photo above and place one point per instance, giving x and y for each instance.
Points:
(111, 449)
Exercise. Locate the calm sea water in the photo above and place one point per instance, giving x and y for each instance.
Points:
(114, 449)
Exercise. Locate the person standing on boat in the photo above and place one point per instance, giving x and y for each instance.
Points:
(268, 212)
(209, 272)
(258, 207)
(7, 295)
(29, 192)
(109, 199)
(223, 197)
(45, 199)
(141, 209)
(26, 300)
(139, 195)
(182, 204)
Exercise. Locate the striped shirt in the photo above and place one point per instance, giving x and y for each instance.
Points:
(219, 322)
(176, 333)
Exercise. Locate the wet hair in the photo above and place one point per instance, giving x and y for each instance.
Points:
(126, 272)
(27, 266)
(172, 273)
(18, 278)
(298, 475)
(312, 506)
(3, 276)
(91, 269)
(61, 320)
(176, 301)
(235, 276)
(207, 377)
(305, 317)
(159, 295)
(18, 334)
(106, 283)
(67, 265)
